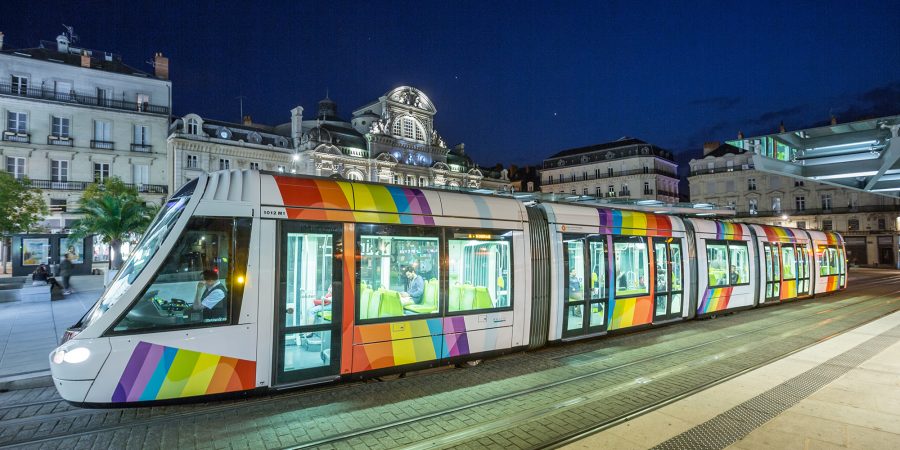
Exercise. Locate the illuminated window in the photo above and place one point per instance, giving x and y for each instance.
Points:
(398, 272)
(788, 263)
(727, 263)
(828, 261)
(200, 283)
(480, 275)
(631, 265)
(409, 128)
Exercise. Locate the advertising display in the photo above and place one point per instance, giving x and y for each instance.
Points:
(35, 251)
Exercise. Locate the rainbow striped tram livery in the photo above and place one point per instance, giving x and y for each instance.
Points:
(250, 281)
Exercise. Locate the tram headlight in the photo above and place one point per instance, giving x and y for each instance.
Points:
(74, 356)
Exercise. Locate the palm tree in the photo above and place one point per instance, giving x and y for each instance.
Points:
(114, 213)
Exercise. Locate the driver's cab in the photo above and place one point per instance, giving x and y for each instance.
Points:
(179, 294)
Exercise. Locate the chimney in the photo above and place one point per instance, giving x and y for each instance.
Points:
(248, 120)
(708, 147)
(62, 43)
(740, 134)
(781, 127)
(85, 60)
(833, 119)
(296, 124)
(1, 40)
(161, 64)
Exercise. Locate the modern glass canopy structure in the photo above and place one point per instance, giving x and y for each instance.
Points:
(863, 155)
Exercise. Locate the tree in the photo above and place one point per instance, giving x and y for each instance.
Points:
(21, 207)
(114, 212)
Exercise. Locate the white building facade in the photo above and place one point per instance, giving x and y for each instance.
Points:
(725, 176)
(627, 168)
(72, 117)
(391, 140)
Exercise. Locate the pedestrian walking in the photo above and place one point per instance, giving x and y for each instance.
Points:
(65, 271)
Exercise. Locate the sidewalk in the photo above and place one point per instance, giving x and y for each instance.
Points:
(841, 393)
(30, 329)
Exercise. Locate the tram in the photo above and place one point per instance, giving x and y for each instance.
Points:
(250, 281)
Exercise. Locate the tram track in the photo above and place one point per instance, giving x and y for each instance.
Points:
(566, 403)
(167, 416)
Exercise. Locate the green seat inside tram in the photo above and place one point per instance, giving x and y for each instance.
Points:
(454, 297)
(374, 304)
(468, 297)
(390, 304)
(429, 299)
(364, 295)
(482, 298)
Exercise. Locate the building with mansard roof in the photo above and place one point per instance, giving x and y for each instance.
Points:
(626, 168)
(389, 140)
(74, 116)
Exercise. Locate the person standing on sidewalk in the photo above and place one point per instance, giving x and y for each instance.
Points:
(65, 271)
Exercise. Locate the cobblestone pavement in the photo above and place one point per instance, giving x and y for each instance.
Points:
(522, 400)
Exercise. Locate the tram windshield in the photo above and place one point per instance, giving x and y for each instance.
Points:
(151, 241)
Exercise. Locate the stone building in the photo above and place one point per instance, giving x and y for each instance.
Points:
(390, 140)
(74, 116)
(725, 175)
(627, 168)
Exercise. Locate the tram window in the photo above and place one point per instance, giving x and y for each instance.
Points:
(828, 262)
(199, 283)
(479, 274)
(597, 253)
(739, 260)
(662, 267)
(787, 263)
(631, 266)
(308, 278)
(398, 275)
(728, 263)
(717, 264)
(575, 264)
(151, 241)
(676, 269)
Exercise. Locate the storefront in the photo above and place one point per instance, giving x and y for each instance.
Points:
(31, 250)
(857, 251)
(886, 250)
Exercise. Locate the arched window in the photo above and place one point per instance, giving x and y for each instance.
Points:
(409, 128)
(354, 175)
(193, 127)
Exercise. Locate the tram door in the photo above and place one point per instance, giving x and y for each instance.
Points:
(309, 303)
(585, 290)
(803, 273)
(667, 255)
(773, 271)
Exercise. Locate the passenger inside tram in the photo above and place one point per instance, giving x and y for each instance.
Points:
(631, 266)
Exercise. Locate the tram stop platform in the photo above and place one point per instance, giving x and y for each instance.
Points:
(31, 326)
(841, 393)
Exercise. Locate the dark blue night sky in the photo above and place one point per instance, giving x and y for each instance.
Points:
(516, 81)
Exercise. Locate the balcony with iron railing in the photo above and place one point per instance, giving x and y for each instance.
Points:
(60, 185)
(820, 211)
(103, 145)
(16, 136)
(589, 177)
(64, 141)
(707, 171)
(80, 98)
(143, 148)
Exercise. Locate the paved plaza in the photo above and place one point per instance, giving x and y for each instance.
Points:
(817, 373)
(31, 327)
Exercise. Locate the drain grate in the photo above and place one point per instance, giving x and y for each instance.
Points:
(732, 425)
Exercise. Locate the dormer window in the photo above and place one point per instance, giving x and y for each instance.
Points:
(254, 138)
(409, 128)
(223, 133)
(193, 127)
